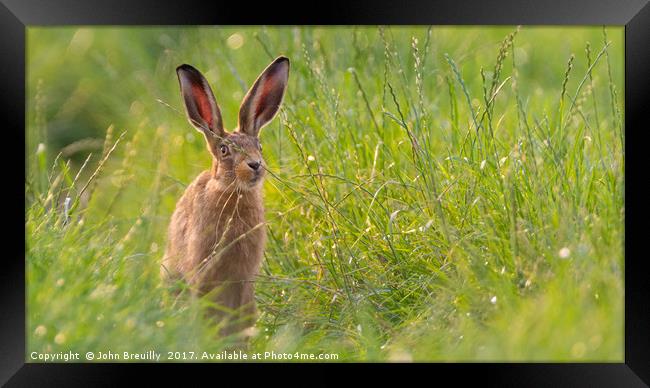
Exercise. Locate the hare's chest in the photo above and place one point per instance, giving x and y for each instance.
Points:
(238, 223)
(238, 226)
(238, 243)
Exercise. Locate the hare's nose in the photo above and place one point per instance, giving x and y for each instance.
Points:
(254, 165)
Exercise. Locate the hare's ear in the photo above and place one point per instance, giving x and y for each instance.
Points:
(264, 98)
(200, 104)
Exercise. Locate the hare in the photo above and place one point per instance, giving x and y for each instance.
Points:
(217, 233)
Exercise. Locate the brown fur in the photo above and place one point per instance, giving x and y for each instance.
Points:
(217, 234)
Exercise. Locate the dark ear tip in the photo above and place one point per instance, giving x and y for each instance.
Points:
(282, 58)
(185, 67)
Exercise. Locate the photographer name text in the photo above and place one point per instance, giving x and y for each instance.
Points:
(155, 356)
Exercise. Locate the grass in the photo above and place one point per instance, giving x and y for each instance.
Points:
(435, 194)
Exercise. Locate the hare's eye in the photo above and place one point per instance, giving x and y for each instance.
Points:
(224, 149)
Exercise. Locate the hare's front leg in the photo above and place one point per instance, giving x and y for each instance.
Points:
(234, 306)
(247, 315)
(249, 308)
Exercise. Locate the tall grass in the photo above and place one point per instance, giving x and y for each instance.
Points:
(434, 193)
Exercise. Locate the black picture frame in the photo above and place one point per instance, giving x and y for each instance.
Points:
(16, 15)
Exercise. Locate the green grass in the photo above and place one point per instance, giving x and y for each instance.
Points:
(435, 194)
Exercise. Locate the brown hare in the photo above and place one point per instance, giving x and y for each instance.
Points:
(217, 233)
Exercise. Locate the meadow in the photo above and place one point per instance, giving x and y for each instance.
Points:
(433, 193)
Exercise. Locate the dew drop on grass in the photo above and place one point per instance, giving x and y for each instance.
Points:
(564, 253)
(40, 149)
(235, 41)
(66, 207)
(59, 339)
(40, 331)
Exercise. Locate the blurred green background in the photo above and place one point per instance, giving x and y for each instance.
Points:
(443, 193)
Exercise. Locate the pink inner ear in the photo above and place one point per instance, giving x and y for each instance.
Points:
(202, 104)
(269, 95)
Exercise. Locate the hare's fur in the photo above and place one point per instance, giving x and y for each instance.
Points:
(216, 239)
(217, 233)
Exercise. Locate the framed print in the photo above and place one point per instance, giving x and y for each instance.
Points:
(431, 189)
